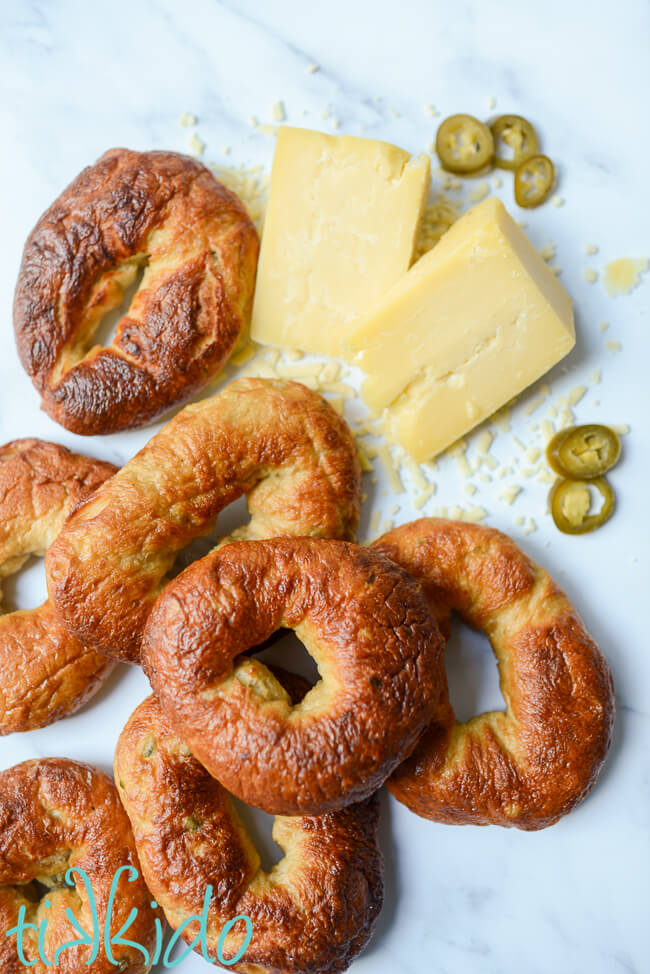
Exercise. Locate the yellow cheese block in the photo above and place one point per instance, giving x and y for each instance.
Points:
(340, 228)
(473, 322)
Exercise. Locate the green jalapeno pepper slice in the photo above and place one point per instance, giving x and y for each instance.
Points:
(517, 133)
(464, 144)
(570, 502)
(584, 452)
(534, 180)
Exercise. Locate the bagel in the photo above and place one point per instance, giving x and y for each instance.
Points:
(533, 763)
(366, 624)
(45, 673)
(312, 913)
(275, 441)
(57, 815)
(160, 211)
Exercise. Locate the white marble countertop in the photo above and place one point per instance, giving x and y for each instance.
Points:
(78, 78)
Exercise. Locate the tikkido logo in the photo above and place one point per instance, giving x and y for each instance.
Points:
(99, 936)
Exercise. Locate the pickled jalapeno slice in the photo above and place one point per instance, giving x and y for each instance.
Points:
(584, 452)
(570, 502)
(464, 144)
(519, 135)
(534, 180)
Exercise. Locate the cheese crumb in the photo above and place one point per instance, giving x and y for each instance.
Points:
(484, 441)
(497, 182)
(532, 454)
(530, 527)
(195, 145)
(613, 346)
(393, 477)
(470, 489)
(491, 102)
(597, 375)
(510, 494)
(313, 68)
(604, 325)
(373, 526)
(590, 275)
(278, 113)
(415, 472)
(420, 499)
(431, 111)
(475, 514)
(548, 251)
(590, 249)
(364, 460)
(576, 395)
(548, 430)
(330, 372)
(620, 428)
(187, 119)
(557, 200)
(479, 192)
(623, 275)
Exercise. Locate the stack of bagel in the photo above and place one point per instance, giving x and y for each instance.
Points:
(220, 723)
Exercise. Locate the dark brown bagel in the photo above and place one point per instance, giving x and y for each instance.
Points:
(532, 764)
(277, 442)
(364, 621)
(57, 815)
(45, 673)
(158, 210)
(311, 914)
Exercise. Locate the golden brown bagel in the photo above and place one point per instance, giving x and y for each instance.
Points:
(364, 621)
(57, 815)
(312, 913)
(45, 673)
(532, 764)
(277, 442)
(160, 211)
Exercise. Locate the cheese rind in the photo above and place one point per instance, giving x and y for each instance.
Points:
(340, 229)
(474, 322)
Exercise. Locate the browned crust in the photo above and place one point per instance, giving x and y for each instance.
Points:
(57, 814)
(320, 908)
(370, 630)
(200, 247)
(45, 673)
(536, 762)
(277, 442)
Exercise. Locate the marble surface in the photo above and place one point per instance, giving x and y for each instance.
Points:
(78, 78)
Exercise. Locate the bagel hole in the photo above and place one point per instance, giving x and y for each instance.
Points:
(284, 649)
(472, 673)
(40, 888)
(233, 516)
(107, 327)
(26, 588)
(259, 826)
